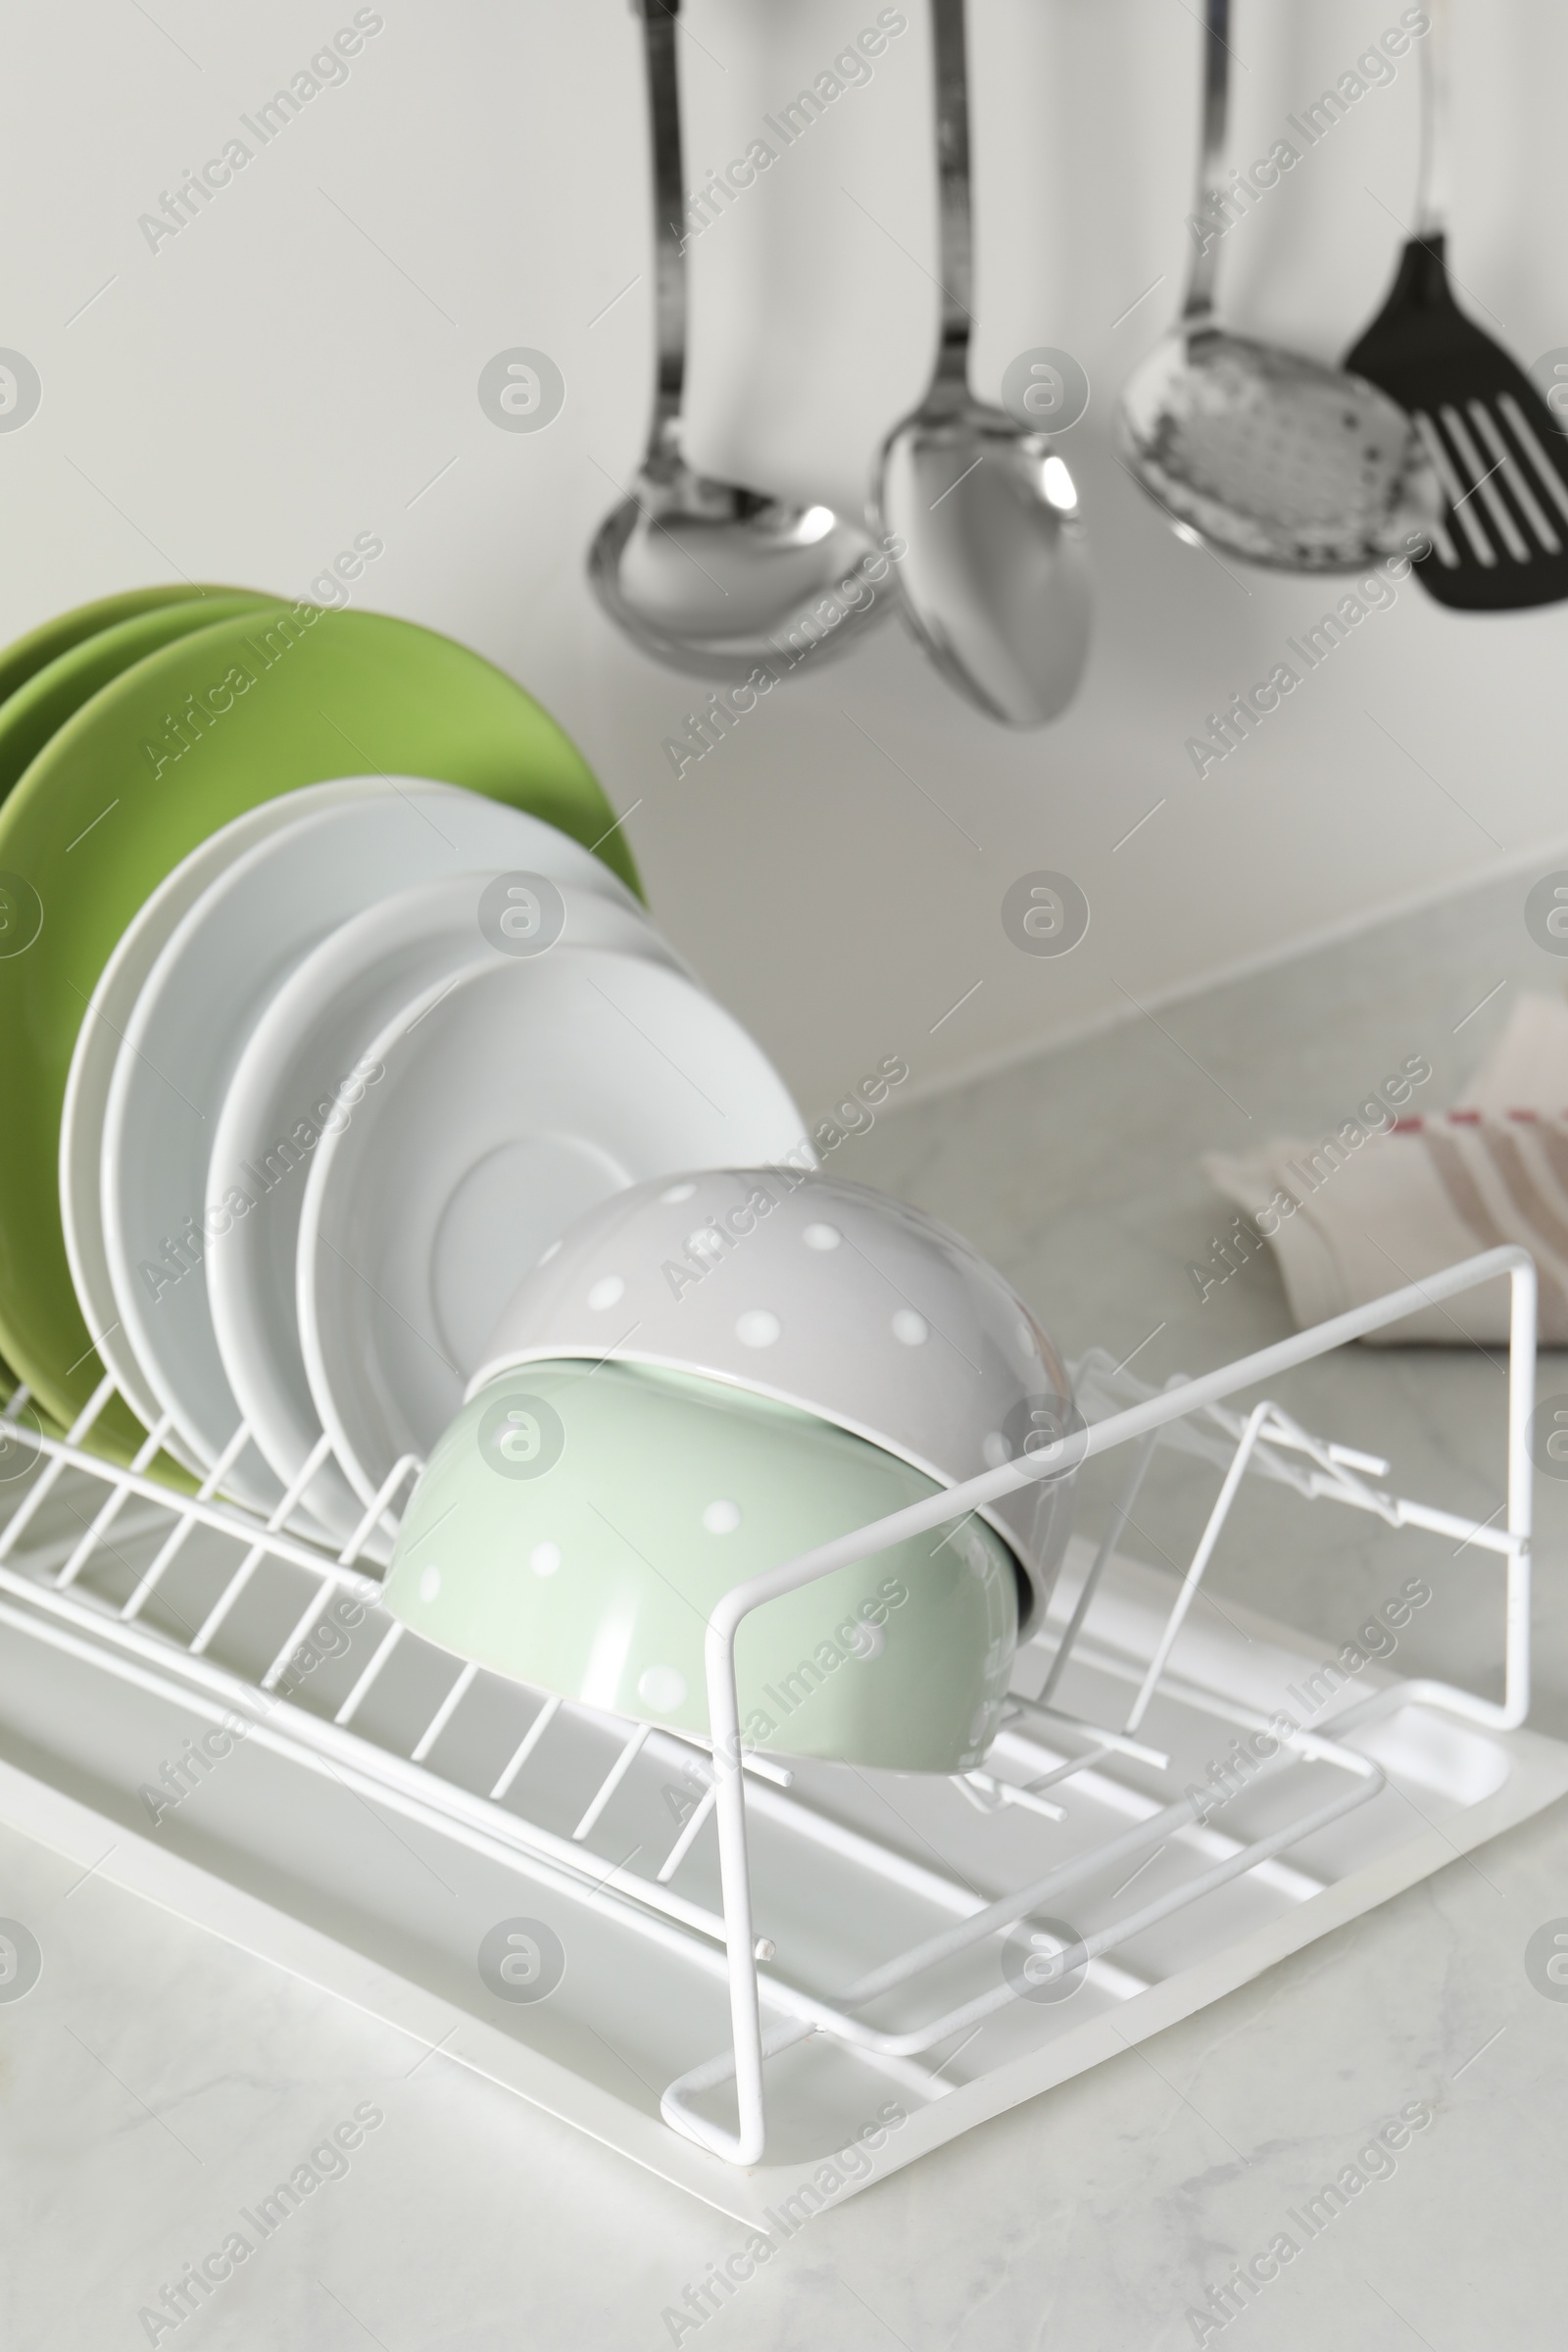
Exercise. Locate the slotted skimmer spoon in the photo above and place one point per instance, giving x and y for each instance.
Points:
(994, 580)
(1257, 451)
(707, 577)
(1502, 541)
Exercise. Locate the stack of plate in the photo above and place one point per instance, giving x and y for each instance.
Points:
(326, 1002)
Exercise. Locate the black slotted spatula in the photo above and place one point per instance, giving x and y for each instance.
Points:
(1503, 543)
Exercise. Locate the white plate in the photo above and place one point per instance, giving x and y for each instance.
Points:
(307, 1042)
(512, 1100)
(210, 984)
(92, 1067)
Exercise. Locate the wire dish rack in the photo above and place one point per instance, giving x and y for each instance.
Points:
(725, 1964)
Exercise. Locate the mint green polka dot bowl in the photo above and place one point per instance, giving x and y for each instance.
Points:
(577, 1522)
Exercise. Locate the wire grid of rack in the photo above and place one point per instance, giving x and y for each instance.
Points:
(1085, 1773)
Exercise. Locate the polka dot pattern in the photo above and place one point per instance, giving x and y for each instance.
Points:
(817, 1289)
(662, 1687)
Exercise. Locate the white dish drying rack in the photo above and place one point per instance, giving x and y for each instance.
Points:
(730, 1974)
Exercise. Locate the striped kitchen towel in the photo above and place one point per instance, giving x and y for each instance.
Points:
(1350, 1218)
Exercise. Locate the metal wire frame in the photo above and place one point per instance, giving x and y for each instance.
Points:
(1049, 1747)
(1340, 1479)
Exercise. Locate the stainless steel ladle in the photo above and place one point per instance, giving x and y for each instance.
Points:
(995, 582)
(707, 577)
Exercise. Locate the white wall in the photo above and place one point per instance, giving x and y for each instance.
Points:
(240, 403)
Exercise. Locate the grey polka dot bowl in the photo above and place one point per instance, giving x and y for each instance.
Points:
(826, 1296)
(577, 1524)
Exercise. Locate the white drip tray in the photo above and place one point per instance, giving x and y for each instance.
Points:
(293, 1850)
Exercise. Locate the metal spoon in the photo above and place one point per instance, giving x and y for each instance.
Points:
(1258, 451)
(995, 582)
(707, 577)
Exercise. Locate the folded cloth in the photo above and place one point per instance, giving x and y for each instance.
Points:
(1527, 1070)
(1350, 1217)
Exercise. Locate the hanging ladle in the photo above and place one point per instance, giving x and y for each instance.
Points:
(707, 577)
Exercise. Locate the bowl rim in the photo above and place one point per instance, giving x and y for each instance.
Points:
(1034, 1584)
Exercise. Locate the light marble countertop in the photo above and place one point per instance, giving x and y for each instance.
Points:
(156, 2082)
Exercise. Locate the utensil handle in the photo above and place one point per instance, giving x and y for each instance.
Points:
(669, 201)
(1211, 154)
(951, 64)
(1436, 72)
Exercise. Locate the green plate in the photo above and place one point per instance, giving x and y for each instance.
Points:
(153, 765)
(47, 695)
(18, 1460)
(39, 708)
(28, 655)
